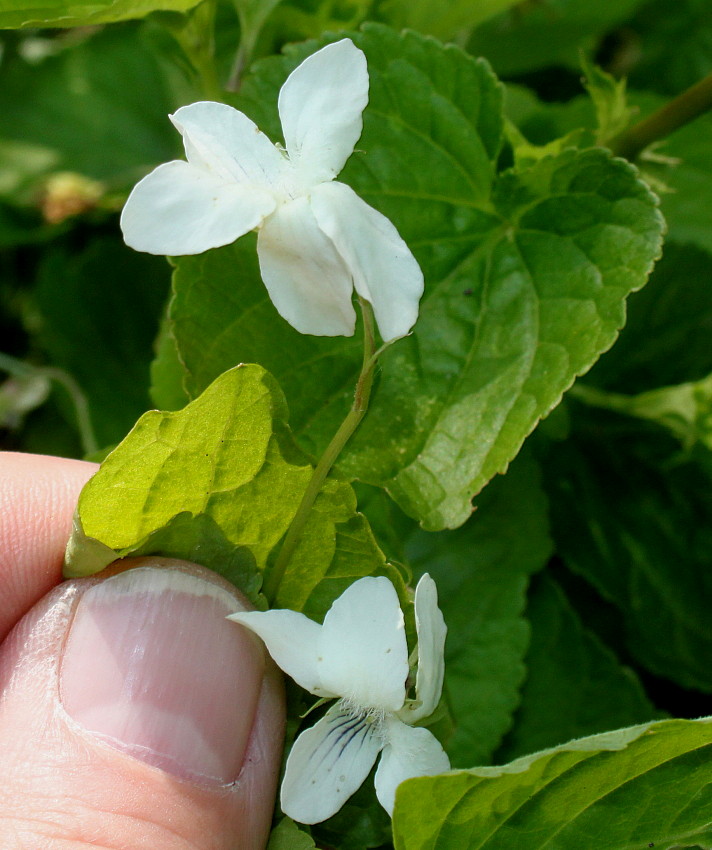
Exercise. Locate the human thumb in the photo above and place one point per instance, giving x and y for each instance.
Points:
(134, 715)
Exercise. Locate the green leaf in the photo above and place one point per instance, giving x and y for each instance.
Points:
(222, 478)
(167, 372)
(447, 21)
(675, 41)
(99, 313)
(84, 116)
(646, 786)
(16, 14)
(633, 517)
(21, 164)
(482, 571)
(225, 451)
(526, 277)
(679, 167)
(666, 340)
(686, 171)
(287, 836)
(545, 34)
(200, 539)
(575, 685)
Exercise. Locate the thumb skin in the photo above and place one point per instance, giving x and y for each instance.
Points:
(134, 715)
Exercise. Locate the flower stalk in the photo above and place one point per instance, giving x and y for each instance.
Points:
(362, 396)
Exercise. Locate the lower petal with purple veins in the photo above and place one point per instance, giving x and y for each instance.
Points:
(328, 763)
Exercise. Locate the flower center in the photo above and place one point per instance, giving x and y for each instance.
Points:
(292, 184)
(367, 715)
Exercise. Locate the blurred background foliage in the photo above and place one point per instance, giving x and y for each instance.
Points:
(590, 560)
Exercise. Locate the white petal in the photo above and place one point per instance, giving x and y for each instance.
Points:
(431, 647)
(179, 209)
(327, 765)
(320, 106)
(227, 143)
(384, 271)
(410, 751)
(363, 646)
(306, 278)
(293, 642)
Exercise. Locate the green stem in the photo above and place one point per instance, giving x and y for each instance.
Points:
(250, 27)
(362, 395)
(81, 407)
(600, 398)
(253, 15)
(687, 106)
(242, 60)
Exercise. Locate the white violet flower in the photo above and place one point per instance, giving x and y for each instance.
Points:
(317, 239)
(359, 655)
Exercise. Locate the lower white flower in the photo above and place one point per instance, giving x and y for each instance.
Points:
(360, 656)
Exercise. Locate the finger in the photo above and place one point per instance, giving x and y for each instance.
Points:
(38, 495)
(134, 715)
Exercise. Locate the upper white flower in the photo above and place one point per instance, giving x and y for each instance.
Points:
(317, 239)
(360, 655)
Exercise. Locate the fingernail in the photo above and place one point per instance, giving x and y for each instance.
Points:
(152, 667)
